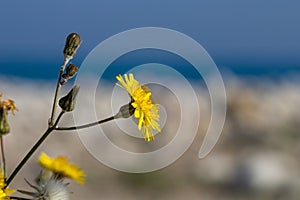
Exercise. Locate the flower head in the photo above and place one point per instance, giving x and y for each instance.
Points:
(4, 191)
(54, 190)
(145, 110)
(48, 189)
(5, 106)
(8, 105)
(62, 168)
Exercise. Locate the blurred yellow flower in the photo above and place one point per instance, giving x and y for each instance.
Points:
(8, 105)
(146, 111)
(61, 167)
(4, 192)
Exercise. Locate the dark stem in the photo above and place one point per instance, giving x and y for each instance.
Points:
(3, 157)
(33, 149)
(85, 125)
(20, 198)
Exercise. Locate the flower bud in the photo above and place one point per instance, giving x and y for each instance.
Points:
(125, 111)
(71, 70)
(4, 126)
(67, 103)
(72, 43)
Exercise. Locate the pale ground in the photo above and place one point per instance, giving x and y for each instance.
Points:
(257, 156)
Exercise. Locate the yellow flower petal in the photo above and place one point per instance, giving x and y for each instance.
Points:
(146, 111)
(4, 192)
(9, 105)
(61, 167)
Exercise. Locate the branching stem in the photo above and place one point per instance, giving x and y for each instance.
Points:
(34, 148)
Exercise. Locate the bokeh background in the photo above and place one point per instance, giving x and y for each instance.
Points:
(255, 45)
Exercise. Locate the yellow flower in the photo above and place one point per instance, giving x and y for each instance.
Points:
(4, 192)
(61, 167)
(146, 111)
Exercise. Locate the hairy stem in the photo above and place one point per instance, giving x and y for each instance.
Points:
(58, 85)
(33, 149)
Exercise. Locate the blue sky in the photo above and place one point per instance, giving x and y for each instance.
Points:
(237, 34)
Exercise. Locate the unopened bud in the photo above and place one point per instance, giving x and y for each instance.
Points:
(4, 126)
(71, 70)
(125, 111)
(72, 43)
(67, 103)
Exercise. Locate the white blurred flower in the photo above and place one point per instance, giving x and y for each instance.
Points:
(51, 189)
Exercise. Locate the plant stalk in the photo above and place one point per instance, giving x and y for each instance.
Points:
(58, 85)
(3, 157)
(33, 149)
(85, 125)
(19, 198)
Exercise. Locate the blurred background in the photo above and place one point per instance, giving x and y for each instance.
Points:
(255, 45)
